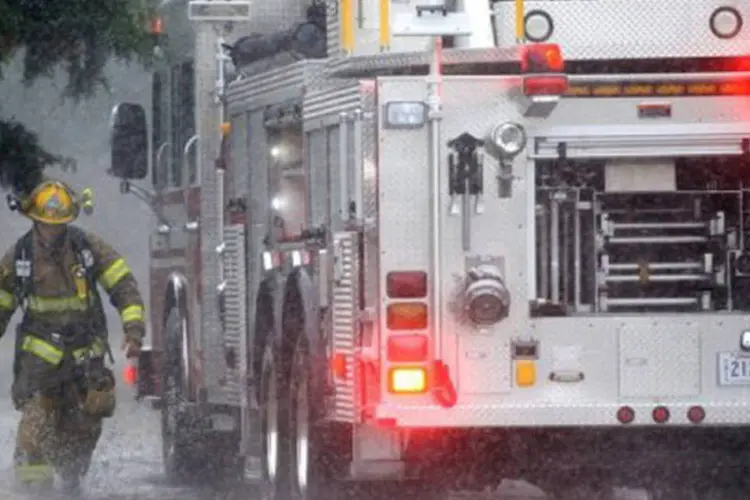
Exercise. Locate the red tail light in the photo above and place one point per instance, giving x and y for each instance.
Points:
(406, 284)
(545, 85)
(407, 348)
(542, 58)
(406, 316)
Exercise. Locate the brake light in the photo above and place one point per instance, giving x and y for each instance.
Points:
(407, 348)
(407, 380)
(406, 316)
(542, 58)
(545, 85)
(406, 284)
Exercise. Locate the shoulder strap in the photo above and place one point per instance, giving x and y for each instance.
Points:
(87, 259)
(83, 251)
(23, 260)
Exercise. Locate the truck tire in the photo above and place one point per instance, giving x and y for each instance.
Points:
(311, 474)
(272, 417)
(178, 444)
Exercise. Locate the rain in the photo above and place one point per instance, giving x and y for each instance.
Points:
(503, 450)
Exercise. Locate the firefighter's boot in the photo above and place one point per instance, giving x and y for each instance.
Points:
(71, 483)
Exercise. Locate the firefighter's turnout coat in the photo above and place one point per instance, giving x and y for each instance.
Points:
(63, 322)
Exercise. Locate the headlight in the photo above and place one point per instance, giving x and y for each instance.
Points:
(405, 114)
(509, 138)
(745, 340)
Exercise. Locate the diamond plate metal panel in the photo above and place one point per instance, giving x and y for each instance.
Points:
(629, 29)
(369, 145)
(273, 86)
(235, 314)
(470, 105)
(210, 222)
(317, 165)
(662, 364)
(366, 66)
(345, 331)
(334, 98)
(593, 346)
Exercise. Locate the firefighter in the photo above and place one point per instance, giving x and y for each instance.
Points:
(61, 384)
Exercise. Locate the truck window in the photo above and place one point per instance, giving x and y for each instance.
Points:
(183, 123)
(159, 170)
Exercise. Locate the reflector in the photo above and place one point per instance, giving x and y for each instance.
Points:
(406, 316)
(545, 85)
(406, 284)
(407, 348)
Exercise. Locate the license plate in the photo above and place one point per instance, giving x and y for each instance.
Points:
(734, 368)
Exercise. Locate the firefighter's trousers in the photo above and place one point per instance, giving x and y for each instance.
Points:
(51, 437)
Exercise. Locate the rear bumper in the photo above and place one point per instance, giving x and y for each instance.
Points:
(558, 415)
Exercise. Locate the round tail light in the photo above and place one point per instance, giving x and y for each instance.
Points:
(696, 414)
(625, 415)
(660, 414)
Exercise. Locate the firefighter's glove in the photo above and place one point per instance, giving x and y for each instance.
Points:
(100, 403)
(100, 396)
(131, 344)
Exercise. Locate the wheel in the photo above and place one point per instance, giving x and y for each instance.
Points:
(311, 452)
(178, 442)
(274, 437)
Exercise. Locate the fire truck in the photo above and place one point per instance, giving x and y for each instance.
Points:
(443, 241)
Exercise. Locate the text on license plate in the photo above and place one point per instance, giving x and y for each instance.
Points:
(734, 368)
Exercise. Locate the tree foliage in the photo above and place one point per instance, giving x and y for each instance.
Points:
(77, 36)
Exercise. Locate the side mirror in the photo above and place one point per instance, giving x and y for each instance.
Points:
(129, 142)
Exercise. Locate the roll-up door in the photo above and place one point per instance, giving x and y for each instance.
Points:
(642, 141)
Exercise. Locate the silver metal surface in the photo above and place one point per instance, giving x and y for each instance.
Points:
(344, 334)
(235, 315)
(630, 29)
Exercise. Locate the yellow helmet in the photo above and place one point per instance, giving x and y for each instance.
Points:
(52, 202)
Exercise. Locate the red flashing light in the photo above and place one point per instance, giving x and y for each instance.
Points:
(660, 414)
(130, 374)
(157, 26)
(696, 414)
(406, 284)
(625, 415)
(406, 316)
(542, 58)
(407, 348)
(545, 85)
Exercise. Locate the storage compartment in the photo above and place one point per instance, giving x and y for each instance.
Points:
(642, 235)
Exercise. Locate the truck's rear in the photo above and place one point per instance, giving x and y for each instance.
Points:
(585, 271)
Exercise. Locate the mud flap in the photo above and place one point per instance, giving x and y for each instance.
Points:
(444, 389)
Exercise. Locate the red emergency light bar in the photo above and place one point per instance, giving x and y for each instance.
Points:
(544, 65)
(542, 58)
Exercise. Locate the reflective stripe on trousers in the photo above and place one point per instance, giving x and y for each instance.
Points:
(54, 355)
(7, 300)
(37, 473)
